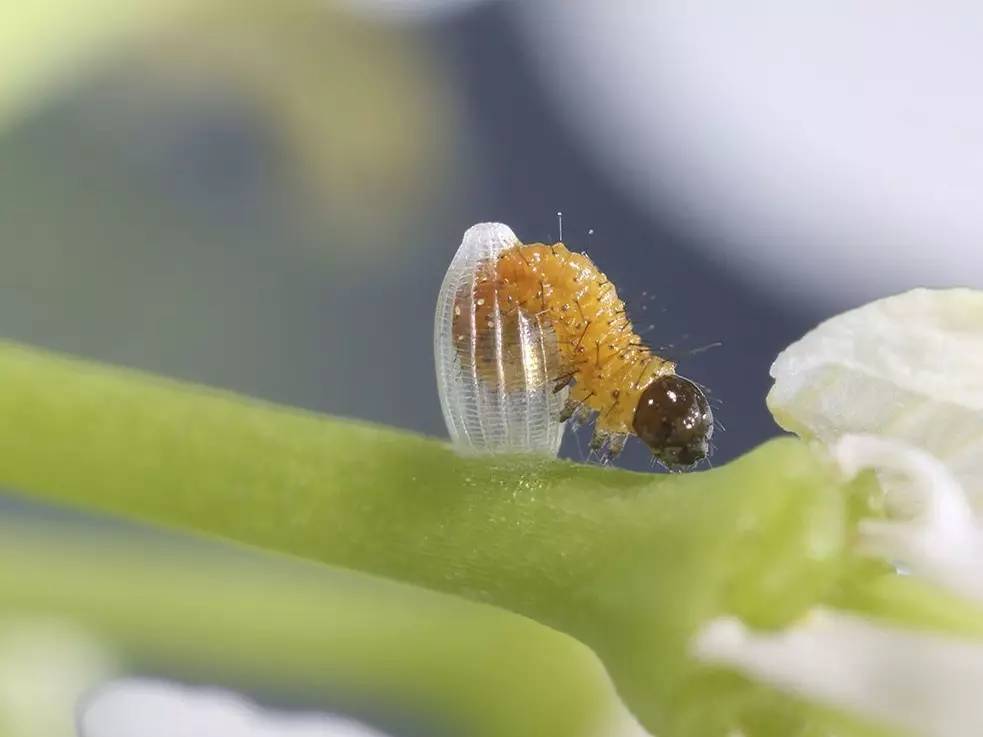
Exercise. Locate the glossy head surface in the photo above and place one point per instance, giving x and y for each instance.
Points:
(673, 418)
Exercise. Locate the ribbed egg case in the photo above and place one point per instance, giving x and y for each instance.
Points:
(495, 373)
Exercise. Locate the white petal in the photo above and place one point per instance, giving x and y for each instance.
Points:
(941, 540)
(922, 682)
(908, 367)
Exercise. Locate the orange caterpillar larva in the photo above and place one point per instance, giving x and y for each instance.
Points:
(590, 349)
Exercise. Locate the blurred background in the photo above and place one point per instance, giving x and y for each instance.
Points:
(264, 196)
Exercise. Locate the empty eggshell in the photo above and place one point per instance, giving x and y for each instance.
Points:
(495, 375)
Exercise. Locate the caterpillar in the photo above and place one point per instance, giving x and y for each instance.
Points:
(528, 336)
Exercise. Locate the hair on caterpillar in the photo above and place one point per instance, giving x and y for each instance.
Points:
(528, 336)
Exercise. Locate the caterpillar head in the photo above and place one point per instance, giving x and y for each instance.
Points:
(673, 418)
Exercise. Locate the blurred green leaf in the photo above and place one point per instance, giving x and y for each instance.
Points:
(361, 120)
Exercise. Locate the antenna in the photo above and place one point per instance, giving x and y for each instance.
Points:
(559, 219)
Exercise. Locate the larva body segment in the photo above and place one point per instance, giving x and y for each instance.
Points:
(494, 365)
(527, 336)
(601, 355)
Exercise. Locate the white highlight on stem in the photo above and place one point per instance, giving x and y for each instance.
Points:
(927, 683)
(940, 538)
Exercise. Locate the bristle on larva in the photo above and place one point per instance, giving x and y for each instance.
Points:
(585, 346)
(599, 353)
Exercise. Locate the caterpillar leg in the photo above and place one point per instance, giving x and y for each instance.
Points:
(571, 406)
(563, 382)
(576, 410)
(616, 444)
(582, 416)
(599, 440)
(607, 445)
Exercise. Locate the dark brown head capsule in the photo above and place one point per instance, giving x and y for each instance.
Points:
(673, 418)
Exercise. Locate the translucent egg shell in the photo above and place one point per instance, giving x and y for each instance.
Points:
(496, 364)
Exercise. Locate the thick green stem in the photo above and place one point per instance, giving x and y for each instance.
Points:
(630, 564)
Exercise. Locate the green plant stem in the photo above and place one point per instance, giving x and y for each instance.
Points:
(630, 564)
